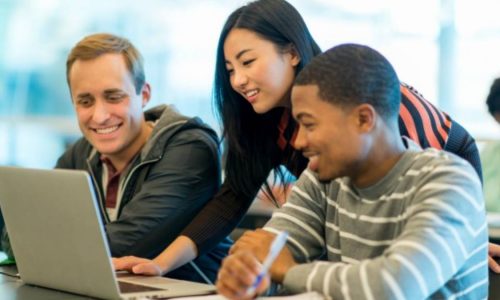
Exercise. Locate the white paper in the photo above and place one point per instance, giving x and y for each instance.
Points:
(303, 296)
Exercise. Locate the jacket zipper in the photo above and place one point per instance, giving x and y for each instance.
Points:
(127, 179)
(103, 210)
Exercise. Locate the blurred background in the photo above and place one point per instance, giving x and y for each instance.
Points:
(446, 49)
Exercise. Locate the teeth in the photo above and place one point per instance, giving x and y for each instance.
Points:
(106, 130)
(251, 93)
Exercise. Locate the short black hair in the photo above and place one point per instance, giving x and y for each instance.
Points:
(493, 99)
(350, 74)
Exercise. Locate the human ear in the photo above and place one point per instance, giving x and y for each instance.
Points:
(366, 117)
(146, 94)
(295, 57)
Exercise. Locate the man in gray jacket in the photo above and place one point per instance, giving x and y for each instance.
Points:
(373, 216)
(153, 171)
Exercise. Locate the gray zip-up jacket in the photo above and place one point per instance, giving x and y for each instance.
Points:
(167, 184)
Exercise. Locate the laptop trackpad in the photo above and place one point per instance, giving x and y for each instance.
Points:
(165, 286)
(127, 287)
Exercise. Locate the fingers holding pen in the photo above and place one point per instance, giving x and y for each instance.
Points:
(237, 274)
(257, 242)
(242, 266)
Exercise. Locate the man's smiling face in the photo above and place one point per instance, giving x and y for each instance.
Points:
(108, 107)
(328, 134)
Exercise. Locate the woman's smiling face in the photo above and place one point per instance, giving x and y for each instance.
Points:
(258, 70)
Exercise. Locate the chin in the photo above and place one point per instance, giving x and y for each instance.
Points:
(259, 110)
(107, 149)
(323, 177)
(326, 177)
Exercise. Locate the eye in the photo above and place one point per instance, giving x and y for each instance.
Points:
(248, 62)
(115, 97)
(230, 72)
(308, 126)
(84, 102)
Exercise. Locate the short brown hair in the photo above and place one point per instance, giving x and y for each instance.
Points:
(95, 45)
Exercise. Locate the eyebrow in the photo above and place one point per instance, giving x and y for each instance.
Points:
(84, 95)
(303, 115)
(112, 91)
(106, 92)
(239, 54)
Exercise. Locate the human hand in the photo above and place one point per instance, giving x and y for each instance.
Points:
(493, 251)
(259, 242)
(137, 265)
(238, 273)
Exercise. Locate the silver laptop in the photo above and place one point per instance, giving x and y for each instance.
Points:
(59, 242)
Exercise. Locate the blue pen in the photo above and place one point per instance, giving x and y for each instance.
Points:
(276, 246)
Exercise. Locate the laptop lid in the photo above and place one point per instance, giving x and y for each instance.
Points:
(57, 235)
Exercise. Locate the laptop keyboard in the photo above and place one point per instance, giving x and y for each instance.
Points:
(127, 287)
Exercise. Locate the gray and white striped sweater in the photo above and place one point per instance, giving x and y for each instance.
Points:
(420, 232)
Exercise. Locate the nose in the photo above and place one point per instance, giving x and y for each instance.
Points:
(239, 79)
(300, 141)
(101, 112)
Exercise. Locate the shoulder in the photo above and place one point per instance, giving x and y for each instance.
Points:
(433, 165)
(182, 133)
(419, 107)
(421, 121)
(195, 136)
(75, 155)
(438, 157)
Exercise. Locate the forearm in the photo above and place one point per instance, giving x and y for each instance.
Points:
(394, 276)
(178, 253)
(217, 219)
(379, 278)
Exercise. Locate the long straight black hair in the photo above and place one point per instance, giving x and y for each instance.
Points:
(250, 138)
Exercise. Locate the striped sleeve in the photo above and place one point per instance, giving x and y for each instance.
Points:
(430, 127)
(421, 121)
(303, 216)
(443, 241)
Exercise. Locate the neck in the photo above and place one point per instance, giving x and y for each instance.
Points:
(121, 160)
(384, 153)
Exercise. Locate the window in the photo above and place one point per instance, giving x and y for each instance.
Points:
(446, 49)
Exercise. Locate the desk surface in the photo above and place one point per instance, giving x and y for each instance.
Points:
(13, 288)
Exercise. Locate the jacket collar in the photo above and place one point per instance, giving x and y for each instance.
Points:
(168, 121)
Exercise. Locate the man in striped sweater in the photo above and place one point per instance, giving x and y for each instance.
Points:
(373, 216)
